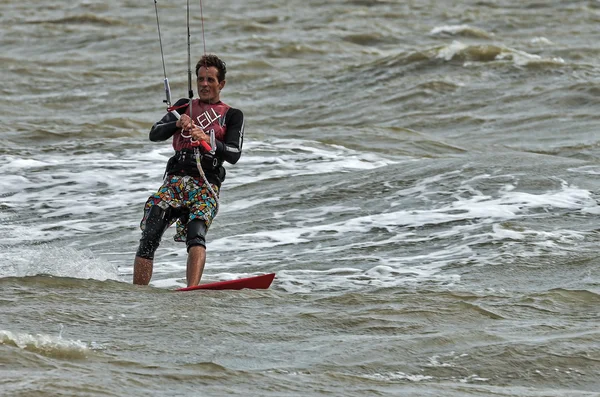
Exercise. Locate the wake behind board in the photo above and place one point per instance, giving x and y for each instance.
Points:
(255, 282)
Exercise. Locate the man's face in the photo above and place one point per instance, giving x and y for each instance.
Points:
(209, 87)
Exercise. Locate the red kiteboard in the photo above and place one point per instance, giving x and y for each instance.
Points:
(255, 282)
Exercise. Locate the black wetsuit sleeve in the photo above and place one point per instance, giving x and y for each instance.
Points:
(167, 126)
(230, 149)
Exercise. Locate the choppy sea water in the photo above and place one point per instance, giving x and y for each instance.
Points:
(422, 177)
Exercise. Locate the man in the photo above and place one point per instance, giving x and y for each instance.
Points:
(189, 194)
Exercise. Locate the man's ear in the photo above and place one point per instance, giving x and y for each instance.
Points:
(222, 84)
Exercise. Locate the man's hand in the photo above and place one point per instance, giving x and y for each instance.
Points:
(199, 135)
(185, 123)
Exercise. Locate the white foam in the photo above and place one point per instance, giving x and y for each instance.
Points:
(587, 169)
(457, 29)
(518, 57)
(522, 58)
(13, 184)
(46, 344)
(448, 52)
(16, 163)
(261, 240)
(468, 219)
(239, 205)
(106, 197)
(541, 40)
(56, 261)
(284, 158)
(448, 29)
(397, 376)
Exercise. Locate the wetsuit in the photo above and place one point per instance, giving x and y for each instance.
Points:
(184, 196)
(228, 126)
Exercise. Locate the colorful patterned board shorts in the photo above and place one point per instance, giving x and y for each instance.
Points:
(184, 192)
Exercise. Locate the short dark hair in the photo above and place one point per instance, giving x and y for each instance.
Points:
(209, 60)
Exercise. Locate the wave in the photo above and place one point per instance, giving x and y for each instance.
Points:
(368, 39)
(81, 135)
(83, 19)
(456, 52)
(49, 281)
(46, 345)
(563, 296)
(56, 266)
(461, 30)
(294, 50)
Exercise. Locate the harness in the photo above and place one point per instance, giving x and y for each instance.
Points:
(192, 162)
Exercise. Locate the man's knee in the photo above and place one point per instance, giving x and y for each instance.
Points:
(196, 233)
(156, 224)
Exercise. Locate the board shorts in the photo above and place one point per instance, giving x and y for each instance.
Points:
(191, 199)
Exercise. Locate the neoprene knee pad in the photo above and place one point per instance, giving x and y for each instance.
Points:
(156, 224)
(196, 233)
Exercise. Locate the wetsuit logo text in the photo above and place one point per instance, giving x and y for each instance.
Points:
(207, 118)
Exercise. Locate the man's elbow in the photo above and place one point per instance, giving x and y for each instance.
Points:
(152, 135)
(233, 159)
(232, 154)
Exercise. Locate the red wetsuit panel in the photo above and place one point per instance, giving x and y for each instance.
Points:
(209, 117)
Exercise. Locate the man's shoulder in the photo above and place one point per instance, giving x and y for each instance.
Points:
(182, 101)
(231, 110)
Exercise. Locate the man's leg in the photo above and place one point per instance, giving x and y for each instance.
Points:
(157, 222)
(142, 270)
(196, 246)
(195, 265)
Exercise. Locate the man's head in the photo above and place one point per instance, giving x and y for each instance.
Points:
(210, 73)
(209, 60)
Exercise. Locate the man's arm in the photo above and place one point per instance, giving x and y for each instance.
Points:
(167, 126)
(230, 149)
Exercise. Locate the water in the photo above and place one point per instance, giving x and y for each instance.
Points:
(422, 177)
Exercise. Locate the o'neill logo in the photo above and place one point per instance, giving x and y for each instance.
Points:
(207, 118)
